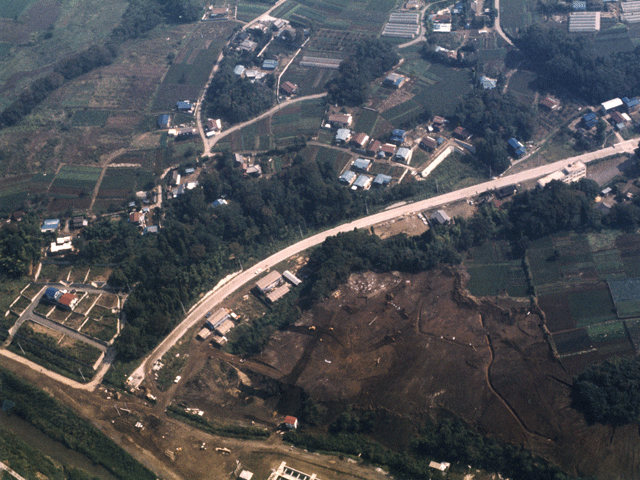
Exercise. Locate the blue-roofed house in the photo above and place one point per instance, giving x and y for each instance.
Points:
(381, 180)
(269, 64)
(347, 177)
(239, 70)
(184, 106)
(516, 147)
(164, 121)
(363, 181)
(219, 202)
(487, 83)
(393, 80)
(343, 135)
(589, 120)
(51, 295)
(631, 104)
(362, 164)
(398, 136)
(50, 225)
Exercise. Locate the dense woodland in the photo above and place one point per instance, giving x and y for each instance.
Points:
(20, 247)
(235, 99)
(570, 64)
(372, 59)
(609, 392)
(495, 118)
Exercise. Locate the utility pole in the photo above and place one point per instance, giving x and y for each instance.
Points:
(83, 379)
(366, 206)
(21, 349)
(300, 228)
(437, 189)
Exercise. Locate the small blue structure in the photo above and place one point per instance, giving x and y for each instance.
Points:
(381, 180)
(440, 140)
(164, 121)
(589, 120)
(398, 136)
(150, 229)
(579, 5)
(219, 202)
(269, 64)
(239, 69)
(185, 106)
(631, 104)
(517, 148)
(50, 225)
(51, 295)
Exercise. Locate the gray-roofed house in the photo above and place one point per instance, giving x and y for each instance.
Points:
(269, 282)
(239, 69)
(269, 64)
(403, 155)
(440, 217)
(50, 225)
(381, 180)
(347, 177)
(343, 135)
(428, 143)
(363, 181)
(487, 83)
(362, 164)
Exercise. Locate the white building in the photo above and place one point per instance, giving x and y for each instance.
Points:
(569, 174)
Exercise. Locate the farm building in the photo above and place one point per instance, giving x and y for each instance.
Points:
(247, 45)
(582, 22)
(277, 293)
(506, 191)
(203, 334)
(185, 106)
(487, 83)
(214, 124)
(347, 177)
(61, 245)
(441, 28)
(428, 143)
(439, 121)
(343, 135)
(50, 225)
(461, 133)
(78, 222)
(619, 120)
(630, 12)
(291, 278)
(218, 13)
(224, 326)
(610, 105)
(269, 64)
(569, 174)
(402, 25)
(394, 80)
(398, 136)
(339, 120)
(373, 147)
(245, 475)
(631, 104)
(363, 182)
(404, 18)
(269, 282)
(216, 317)
(589, 120)
(359, 140)
(443, 467)
(440, 217)
(289, 88)
(290, 422)
(319, 62)
(164, 121)
(550, 103)
(403, 155)
(516, 147)
(381, 180)
(361, 164)
(386, 150)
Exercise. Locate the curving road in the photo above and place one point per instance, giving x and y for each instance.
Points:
(498, 28)
(219, 294)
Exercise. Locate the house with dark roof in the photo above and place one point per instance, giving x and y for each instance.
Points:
(393, 80)
(50, 225)
(290, 422)
(289, 88)
(373, 147)
(428, 143)
(339, 120)
(386, 150)
(589, 120)
(440, 217)
(359, 140)
(347, 177)
(361, 164)
(516, 147)
(631, 104)
(185, 106)
(461, 133)
(269, 64)
(381, 180)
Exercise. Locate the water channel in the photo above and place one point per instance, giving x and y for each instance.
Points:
(51, 448)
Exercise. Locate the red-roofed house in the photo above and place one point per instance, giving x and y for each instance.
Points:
(374, 146)
(68, 301)
(359, 140)
(289, 88)
(290, 422)
(387, 150)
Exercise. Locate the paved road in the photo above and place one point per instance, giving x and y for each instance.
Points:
(218, 295)
(11, 472)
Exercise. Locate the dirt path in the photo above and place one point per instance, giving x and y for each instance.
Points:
(497, 26)
(107, 161)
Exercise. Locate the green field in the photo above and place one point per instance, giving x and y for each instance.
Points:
(493, 272)
(129, 179)
(249, 11)
(77, 176)
(517, 14)
(90, 118)
(13, 8)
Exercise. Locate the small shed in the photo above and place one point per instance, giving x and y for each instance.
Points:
(269, 64)
(290, 422)
(589, 120)
(245, 475)
(239, 70)
(291, 278)
(50, 225)
(440, 217)
(164, 121)
(428, 143)
(398, 136)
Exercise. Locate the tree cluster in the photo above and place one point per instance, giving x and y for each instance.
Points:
(571, 64)
(372, 58)
(495, 118)
(20, 245)
(609, 392)
(235, 99)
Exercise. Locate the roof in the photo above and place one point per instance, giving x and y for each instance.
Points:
(217, 317)
(438, 120)
(362, 181)
(347, 177)
(362, 164)
(343, 134)
(630, 102)
(388, 148)
(513, 143)
(50, 293)
(398, 133)
(488, 83)
(164, 121)
(225, 326)
(291, 278)
(290, 420)
(340, 118)
(277, 293)
(50, 224)
(441, 217)
(67, 299)
(403, 152)
(429, 142)
(374, 146)
(382, 179)
(288, 87)
(589, 116)
(613, 103)
(617, 118)
(239, 69)
(550, 103)
(151, 229)
(360, 138)
(269, 64)
(266, 281)
(461, 131)
(185, 105)
(245, 475)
